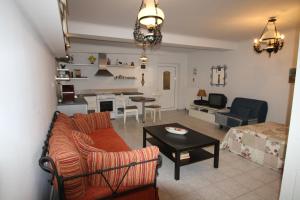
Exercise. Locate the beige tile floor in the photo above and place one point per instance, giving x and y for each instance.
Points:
(236, 178)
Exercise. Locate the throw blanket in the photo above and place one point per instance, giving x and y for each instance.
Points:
(263, 143)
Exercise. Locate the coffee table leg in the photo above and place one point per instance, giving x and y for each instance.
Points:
(216, 155)
(143, 112)
(177, 165)
(144, 137)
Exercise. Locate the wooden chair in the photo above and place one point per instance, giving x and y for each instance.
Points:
(128, 109)
(154, 108)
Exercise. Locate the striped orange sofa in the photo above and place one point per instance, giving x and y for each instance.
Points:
(89, 160)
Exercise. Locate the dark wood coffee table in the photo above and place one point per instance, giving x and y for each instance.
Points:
(170, 143)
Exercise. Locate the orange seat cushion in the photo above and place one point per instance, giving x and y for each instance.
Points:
(108, 140)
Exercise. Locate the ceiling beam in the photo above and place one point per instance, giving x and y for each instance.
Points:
(120, 34)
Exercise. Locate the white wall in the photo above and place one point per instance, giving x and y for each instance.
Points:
(249, 74)
(27, 104)
(291, 175)
(156, 58)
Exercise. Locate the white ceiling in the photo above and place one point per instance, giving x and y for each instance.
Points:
(230, 20)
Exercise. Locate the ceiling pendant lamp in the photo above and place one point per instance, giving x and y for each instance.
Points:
(151, 15)
(270, 39)
(147, 29)
(143, 57)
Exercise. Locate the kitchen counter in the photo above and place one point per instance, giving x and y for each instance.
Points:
(94, 92)
(77, 101)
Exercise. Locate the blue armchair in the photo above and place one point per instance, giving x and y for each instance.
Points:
(243, 111)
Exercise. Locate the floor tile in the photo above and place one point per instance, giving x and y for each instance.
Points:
(265, 175)
(236, 178)
(250, 196)
(232, 188)
(211, 193)
(248, 181)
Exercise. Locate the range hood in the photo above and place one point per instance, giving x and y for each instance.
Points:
(102, 62)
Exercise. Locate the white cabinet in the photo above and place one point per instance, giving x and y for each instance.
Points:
(72, 109)
(92, 102)
(205, 113)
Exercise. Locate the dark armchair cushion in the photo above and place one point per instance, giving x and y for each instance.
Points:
(243, 112)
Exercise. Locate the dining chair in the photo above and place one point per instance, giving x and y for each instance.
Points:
(154, 108)
(128, 109)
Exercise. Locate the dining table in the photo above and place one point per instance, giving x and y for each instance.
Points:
(142, 100)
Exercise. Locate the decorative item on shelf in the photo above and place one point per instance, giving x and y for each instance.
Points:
(148, 24)
(132, 64)
(270, 39)
(201, 93)
(71, 74)
(92, 59)
(125, 77)
(108, 61)
(183, 155)
(292, 75)
(66, 59)
(77, 73)
(143, 80)
(218, 75)
(62, 66)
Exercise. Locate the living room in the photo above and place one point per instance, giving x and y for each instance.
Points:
(34, 42)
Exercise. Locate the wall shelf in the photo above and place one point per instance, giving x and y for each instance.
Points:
(79, 64)
(122, 66)
(63, 69)
(68, 79)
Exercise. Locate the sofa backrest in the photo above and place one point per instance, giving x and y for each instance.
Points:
(67, 158)
(257, 108)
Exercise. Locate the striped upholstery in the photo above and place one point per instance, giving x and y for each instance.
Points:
(84, 144)
(96, 120)
(68, 163)
(82, 125)
(61, 117)
(102, 120)
(137, 175)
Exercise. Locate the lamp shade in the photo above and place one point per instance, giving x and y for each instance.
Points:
(151, 16)
(201, 93)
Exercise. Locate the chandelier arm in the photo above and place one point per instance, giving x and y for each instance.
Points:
(264, 30)
(276, 32)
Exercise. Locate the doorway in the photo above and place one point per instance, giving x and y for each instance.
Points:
(167, 86)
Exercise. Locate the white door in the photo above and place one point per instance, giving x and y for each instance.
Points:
(167, 87)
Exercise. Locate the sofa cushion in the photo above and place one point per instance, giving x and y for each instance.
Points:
(68, 163)
(63, 118)
(141, 174)
(82, 125)
(96, 120)
(108, 140)
(84, 144)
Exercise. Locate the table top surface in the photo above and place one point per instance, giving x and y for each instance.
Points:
(190, 140)
(142, 99)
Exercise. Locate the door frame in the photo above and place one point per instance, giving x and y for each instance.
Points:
(175, 66)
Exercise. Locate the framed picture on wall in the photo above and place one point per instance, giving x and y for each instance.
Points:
(218, 75)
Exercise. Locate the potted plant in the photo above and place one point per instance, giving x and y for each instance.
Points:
(92, 59)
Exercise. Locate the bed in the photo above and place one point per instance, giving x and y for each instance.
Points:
(263, 143)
